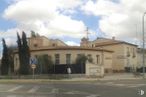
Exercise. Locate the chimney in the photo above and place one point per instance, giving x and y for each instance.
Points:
(113, 38)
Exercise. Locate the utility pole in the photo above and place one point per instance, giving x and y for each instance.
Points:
(143, 49)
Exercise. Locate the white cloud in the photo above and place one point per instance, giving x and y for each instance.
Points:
(72, 43)
(46, 17)
(122, 19)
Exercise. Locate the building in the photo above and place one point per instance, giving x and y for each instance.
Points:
(124, 53)
(42, 41)
(111, 54)
(62, 54)
(140, 58)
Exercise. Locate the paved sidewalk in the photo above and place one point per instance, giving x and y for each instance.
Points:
(119, 76)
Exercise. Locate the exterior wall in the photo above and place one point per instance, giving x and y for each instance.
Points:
(131, 61)
(16, 63)
(38, 41)
(42, 41)
(107, 62)
(120, 58)
(140, 58)
(94, 70)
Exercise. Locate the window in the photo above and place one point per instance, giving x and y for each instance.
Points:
(53, 44)
(68, 58)
(36, 56)
(134, 55)
(35, 45)
(57, 59)
(128, 52)
(97, 59)
(89, 55)
(78, 55)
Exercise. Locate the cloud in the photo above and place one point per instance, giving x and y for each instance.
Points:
(122, 19)
(10, 36)
(47, 17)
(72, 43)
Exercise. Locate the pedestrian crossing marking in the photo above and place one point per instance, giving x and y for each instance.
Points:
(15, 88)
(54, 90)
(34, 89)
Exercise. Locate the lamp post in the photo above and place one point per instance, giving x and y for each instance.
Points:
(143, 51)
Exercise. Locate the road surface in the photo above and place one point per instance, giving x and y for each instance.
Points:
(125, 88)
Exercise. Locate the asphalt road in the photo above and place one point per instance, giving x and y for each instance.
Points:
(125, 88)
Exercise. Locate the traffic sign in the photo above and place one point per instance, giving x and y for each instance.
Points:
(33, 60)
(33, 66)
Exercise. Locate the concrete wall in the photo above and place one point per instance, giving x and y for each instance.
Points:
(93, 70)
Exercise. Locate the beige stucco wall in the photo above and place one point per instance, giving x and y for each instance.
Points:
(107, 58)
(140, 59)
(94, 70)
(120, 59)
(42, 41)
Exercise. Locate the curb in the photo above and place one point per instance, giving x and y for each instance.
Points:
(63, 80)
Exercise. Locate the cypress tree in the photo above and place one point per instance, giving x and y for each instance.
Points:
(20, 53)
(26, 53)
(23, 51)
(5, 59)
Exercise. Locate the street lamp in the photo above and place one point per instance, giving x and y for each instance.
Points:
(143, 51)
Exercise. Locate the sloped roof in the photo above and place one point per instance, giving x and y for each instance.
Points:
(107, 42)
(66, 48)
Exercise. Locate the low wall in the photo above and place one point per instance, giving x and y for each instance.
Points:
(93, 70)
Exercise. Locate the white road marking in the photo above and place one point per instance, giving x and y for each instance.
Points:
(120, 84)
(15, 88)
(11, 96)
(74, 92)
(34, 89)
(54, 90)
(109, 82)
(93, 96)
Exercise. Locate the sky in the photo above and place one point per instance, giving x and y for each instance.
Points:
(68, 19)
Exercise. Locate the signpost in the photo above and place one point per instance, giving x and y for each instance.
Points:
(33, 66)
(33, 62)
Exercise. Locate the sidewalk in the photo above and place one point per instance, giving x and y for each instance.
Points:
(119, 76)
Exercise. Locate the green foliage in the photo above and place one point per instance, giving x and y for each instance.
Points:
(33, 33)
(5, 59)
(44, 63)
(24, 54)
(90, 59)
(11, 58)
(81, 59)
(20, 52)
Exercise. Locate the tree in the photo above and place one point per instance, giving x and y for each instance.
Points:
(24, 54)
(11, 58)
(90, 59)
(81, 61)
(20, 53)
(5, 59)
(45, 63)
(33, 34)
